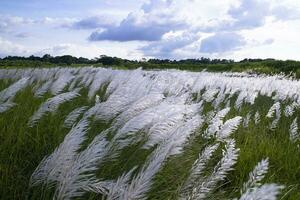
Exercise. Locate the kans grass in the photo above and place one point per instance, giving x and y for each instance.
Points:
(93, 133)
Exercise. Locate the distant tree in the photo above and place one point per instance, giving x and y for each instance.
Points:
(107, 60)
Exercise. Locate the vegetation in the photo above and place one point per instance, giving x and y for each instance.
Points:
(158, 135)
(266, 66)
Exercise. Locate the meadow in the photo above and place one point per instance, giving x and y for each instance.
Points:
(99, 133)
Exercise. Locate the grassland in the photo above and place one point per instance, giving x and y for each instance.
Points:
(22, 148)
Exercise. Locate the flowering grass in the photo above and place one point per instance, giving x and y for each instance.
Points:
(23, 147)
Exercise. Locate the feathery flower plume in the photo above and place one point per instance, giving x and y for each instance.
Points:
(206, 185)
(209, 94)
(6, 106)
(253, 189)
(143, 180)
(65, 77)
(101, 77)
(294, 135)
(183, 133)
(43, 89)
(220, 98)
(275, 108)
(51, 105)
(240, 100)
(274, 124)
(256, 176)
(265, 192)
(290, 109)
(118, 188)
(12, 90)
(73, 116)
(137, 107)
(197, 169)
(52, 167)
(256, 117)
(246, 120)
(81, 174)
(229, 127)
(216, 122)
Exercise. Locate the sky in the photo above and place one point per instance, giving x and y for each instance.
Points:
(164, 29)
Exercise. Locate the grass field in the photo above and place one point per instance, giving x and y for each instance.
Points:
(148, 135)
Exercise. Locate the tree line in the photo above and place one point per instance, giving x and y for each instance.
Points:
(256, 65)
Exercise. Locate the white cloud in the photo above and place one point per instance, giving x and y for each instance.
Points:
(222, 42)
(10, 48)
(150, 23)
(94, 22)
(166, 48)
(225, 20)
(71, 49)
(22, 35)
(163, 29)
(8, 22)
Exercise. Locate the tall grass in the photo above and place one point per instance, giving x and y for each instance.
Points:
(136, 115)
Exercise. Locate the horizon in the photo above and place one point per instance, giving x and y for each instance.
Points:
(161, 29)
(147, 59)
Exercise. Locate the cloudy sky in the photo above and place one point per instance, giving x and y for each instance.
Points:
(134, 29)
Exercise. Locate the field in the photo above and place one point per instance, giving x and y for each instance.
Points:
(97, 133)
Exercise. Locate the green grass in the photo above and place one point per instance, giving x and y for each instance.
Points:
(22, 148)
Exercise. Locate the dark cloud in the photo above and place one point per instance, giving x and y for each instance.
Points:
(222, 42)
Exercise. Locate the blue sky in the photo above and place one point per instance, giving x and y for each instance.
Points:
(135, 29)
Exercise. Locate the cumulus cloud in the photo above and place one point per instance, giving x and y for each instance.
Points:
(94, 22)
(268, 41)
(57, 22)
(150, 23)
(166, 47)
(250, 14)
(78, 50)
(157, 18)
(247, 15)
(158, 28)
(59, 49)
(10, 48)
(7, 22)
(282, 12)
(222, 42)
(22, 35)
